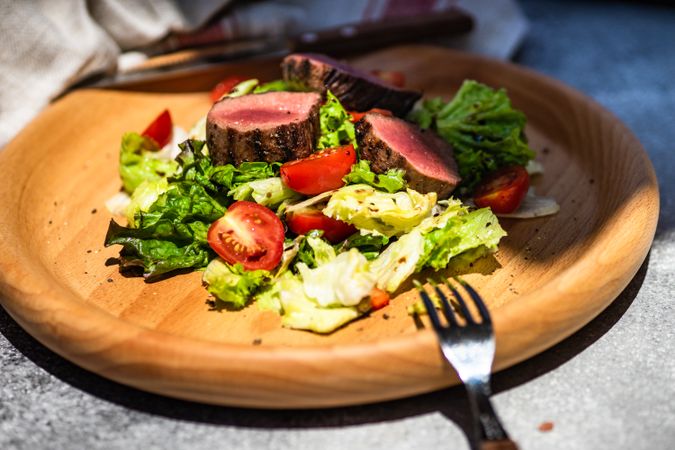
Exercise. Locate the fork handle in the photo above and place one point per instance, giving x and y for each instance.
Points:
(504, 444)
(491, 432)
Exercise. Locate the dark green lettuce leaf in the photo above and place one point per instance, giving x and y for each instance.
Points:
(485, 130)
(197, 167)
(184, 211)
(336, 126)
(171, 233)
(390, 181)
(155, 257)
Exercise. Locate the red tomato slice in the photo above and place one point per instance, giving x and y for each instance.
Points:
(320, 171)
(378, 298)
(392, 77)
(225, 86)
(249, 234)
(503, 190)
(302, 222)
(160, 129)
(356, 116)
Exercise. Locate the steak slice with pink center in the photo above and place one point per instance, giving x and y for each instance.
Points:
(389, 142)
(356, 89)
(271, 127)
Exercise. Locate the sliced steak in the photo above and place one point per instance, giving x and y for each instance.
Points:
(274, 126)
(389, 142)
(357, 90)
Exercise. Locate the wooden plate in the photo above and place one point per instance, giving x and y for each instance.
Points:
(551, 276)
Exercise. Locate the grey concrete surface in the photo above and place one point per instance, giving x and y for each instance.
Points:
(610, 386)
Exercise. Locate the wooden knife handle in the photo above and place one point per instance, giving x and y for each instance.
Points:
(372, 35)
(504, 444)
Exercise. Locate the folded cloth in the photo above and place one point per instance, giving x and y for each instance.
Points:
(49, 45)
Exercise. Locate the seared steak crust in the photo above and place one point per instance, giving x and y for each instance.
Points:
(357, 90)
(433, 170)
(234, 134)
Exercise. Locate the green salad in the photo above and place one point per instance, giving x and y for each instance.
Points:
(319, 260)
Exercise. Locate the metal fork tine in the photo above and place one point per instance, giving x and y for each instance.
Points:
(447, 309)
(484, 313)
(429, 305)
(462, 305)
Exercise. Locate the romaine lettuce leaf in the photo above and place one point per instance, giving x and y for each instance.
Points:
(454, 237)
(139, 162)
(280, 85)
(272, 86)
(336, 126)
(173, 219)
(314, 250)
(270, 192)
(303, 313)
(342, 281)
(243, 88)
(369, 245)
(376, 212)
(155, 257)
(442, 211)
(390, 181)
(184, 211)
(485, 131)
(473, 231)
(196, 167)
(231, 284)
(171, 234)
(143, 197)
(268, 298)
(398, 261)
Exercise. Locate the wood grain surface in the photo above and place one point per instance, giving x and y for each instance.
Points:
(551, 276)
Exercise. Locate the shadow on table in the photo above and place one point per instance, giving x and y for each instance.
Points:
(450, 402)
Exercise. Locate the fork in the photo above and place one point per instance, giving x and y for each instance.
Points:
(470, 348)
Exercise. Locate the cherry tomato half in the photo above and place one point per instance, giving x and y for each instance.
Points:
(320, 171)
(302, 222)
(393, 77)
(503, 190)
(160, 129)
(356, 116)
(225, 86)
(378, 298)
(249, 234)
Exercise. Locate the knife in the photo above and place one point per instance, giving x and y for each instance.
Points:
(340, 41)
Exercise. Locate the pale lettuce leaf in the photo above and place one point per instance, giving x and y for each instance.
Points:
(377, 212)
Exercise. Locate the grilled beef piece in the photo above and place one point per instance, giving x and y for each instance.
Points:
(274, 126)
(389, 142)
(357, 90)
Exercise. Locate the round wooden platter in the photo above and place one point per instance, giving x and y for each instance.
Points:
(551, 276)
